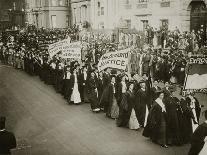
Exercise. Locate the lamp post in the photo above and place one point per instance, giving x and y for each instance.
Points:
(23, 17)
(11, 20)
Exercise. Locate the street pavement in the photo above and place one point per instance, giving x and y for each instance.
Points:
(41, 117)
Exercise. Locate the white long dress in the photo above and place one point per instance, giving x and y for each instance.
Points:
(75, 97)
(133, 122)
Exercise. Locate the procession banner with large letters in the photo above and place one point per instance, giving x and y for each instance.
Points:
(57, 47)
(72, 51)
(196, 78)
(117, 60)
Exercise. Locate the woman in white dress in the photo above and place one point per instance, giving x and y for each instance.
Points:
(75, 96)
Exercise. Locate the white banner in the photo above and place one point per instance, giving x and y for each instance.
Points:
(57, 47)
(118, 60)
(72, 50)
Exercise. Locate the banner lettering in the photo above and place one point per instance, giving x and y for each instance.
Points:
(72, 50)
(57, 47)
(118, 60)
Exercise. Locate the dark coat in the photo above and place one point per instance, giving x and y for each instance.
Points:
(125, 108)
(106, 79)
(107, 97)
(197, 140)
(82, 85)
(92, 94)
(141, 100)
(154, 128)
(197, 107)
(186, 128)
(173, 132)
(7, 142)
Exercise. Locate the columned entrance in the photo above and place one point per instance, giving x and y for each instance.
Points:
(198, 15)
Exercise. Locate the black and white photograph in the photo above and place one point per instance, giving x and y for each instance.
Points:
(103, 77)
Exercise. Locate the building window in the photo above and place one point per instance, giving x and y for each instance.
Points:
(127, 1)
(68, 20)
(84, 12)
(99, 4)
(101, 25)
(165, 3)
(142, 1)
(67, 2)
(99, 9)
(128, 23)
(60, 2)
(14, 5)
(54, 3)
(102, 10)
(145, 24)
(46, 2)
(74, 15)
(127, 4)
(54, 21)
(141, 4)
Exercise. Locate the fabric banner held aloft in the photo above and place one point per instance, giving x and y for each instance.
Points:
(117, 60)
(57, 47)
(72, 51)
(196, 78)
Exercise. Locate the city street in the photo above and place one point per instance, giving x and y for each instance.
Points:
(37, 114)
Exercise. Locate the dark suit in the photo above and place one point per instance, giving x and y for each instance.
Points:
(82, 85)
(7, 142)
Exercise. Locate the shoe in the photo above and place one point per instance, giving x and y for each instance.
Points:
(165, 146)
(96, 110)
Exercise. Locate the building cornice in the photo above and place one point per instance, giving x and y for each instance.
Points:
(78, 1)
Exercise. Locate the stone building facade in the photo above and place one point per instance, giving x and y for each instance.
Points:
(12, 13)
(48, 13)
(81, 12)
(107, 14)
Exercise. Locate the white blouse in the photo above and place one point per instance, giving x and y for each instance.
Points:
(161, 104)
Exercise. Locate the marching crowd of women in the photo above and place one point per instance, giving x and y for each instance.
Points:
(134, 101)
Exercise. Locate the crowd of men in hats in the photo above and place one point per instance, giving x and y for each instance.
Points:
(134, 100)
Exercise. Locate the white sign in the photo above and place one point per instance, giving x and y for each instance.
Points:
(57, 47)
(72, 50)
(118, 60)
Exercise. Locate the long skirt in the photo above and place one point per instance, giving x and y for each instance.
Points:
(114, 109)
(133, 122)
(18, 63)
(161, 135)
(93, 99)
(75, 97)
